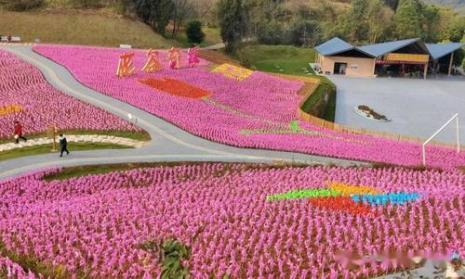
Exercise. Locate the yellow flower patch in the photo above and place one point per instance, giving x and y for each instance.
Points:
(9, 109)
(347, 190)
(233, 72)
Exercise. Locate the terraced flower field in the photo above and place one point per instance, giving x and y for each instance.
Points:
(26, 96)
(242, 108)
(94, 225)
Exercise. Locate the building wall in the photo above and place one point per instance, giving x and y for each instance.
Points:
(356, 66)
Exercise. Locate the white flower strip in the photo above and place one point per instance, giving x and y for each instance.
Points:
(74, 138)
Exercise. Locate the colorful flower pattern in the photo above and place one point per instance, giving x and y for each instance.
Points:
(95, 223)
(262, 103)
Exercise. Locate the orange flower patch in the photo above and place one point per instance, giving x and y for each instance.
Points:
(176, 87)
(342, 204)
(9, 109)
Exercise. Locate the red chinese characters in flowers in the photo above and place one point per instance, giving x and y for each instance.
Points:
(176, 87)
(342, 204)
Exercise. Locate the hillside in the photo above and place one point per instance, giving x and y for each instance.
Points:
(86, 28)
(458, 5)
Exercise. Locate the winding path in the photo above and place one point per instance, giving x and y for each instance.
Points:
(168, 143)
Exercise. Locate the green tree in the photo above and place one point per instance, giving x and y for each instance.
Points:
(356, 21)
(392, 4)
(194, 32)
(156, 13)
(431, 25)
(87, 4)
(232, 22)
(456, 30)
(305, 33)
(22, 5)
(379, 20)
(409, 19)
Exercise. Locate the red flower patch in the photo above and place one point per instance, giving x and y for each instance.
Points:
(176, 87)
(342, 204)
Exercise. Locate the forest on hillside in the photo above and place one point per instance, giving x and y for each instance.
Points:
(296, 22)
(358, 21)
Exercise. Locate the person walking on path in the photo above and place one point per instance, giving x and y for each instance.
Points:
(63, 145)
(18, 133)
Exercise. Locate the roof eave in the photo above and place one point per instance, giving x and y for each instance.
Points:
(460, 45)
(349, 49)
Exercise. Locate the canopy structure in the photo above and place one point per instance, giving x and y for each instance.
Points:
(377, 50)
(438, 51)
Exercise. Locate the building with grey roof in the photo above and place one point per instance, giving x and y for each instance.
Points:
(410, 57)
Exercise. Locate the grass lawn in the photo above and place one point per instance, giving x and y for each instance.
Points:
(316, 105)
(43, 149)
(278, 59)
(141, 136)
(78, 27)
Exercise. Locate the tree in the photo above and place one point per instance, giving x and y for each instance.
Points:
(87, 4)
(232, 22)
(430, 23)
(379, 20)
(409, 19)
(456, 30)
(194, 32)
(205, 9)
(393, 4)
(305, 30)
(305, 33)
(352, 25)
(156, 13)
(22, 5)
(182, 9)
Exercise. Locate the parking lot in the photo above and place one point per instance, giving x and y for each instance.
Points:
(416, 107)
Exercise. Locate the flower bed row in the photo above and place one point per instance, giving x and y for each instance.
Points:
(96, 224)
(28, 98)
(245, 113)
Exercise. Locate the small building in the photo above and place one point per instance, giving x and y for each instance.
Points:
(337, 56)
(411, 57)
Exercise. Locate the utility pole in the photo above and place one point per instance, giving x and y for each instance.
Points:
(52, 131)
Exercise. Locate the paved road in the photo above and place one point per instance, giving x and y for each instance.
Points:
(169, 143)
(417, 107)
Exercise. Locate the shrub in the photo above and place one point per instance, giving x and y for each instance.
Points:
(194, 32)
(87, 4)
(23, 5)
(171, 254)
(271, 33)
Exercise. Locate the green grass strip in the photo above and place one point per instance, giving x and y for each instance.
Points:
(44, 149)
(304, 193)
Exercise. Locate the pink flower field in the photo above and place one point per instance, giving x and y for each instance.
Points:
(254, 112)
(94, 224)
(23, 85)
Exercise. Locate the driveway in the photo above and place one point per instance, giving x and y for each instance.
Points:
(416, 107)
